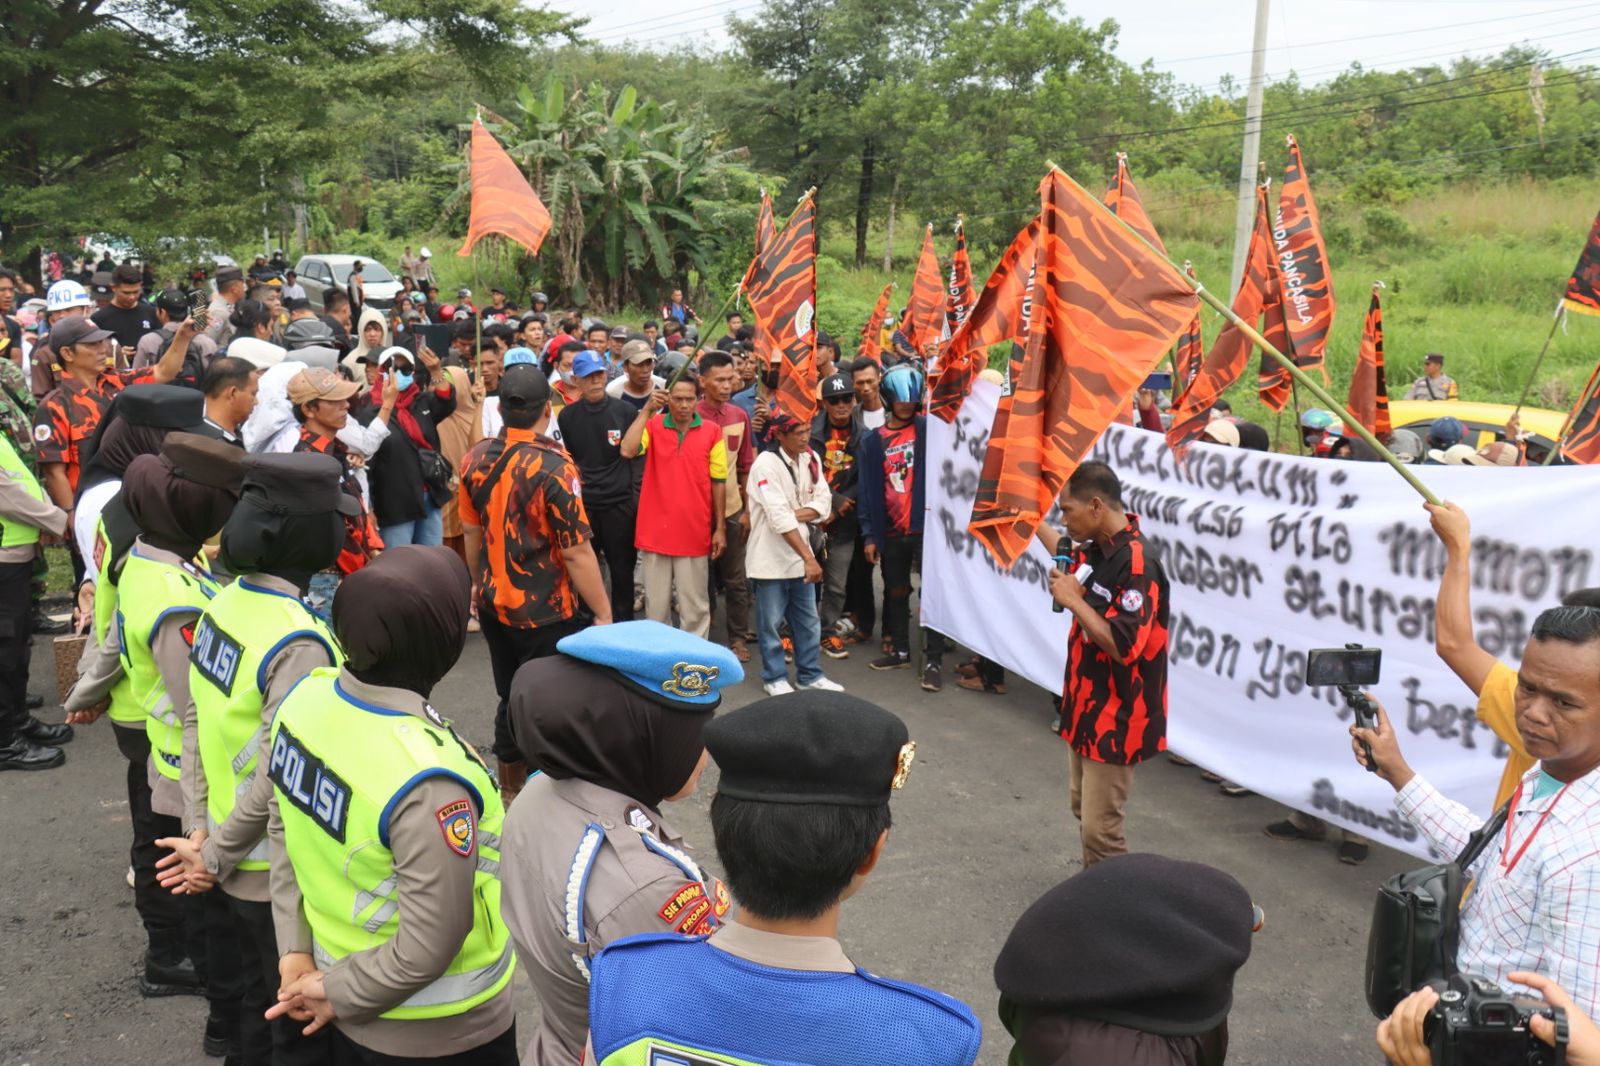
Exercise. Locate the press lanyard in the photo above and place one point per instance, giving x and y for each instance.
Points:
(1516, 798)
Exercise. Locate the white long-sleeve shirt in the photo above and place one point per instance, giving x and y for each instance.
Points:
(776, 488)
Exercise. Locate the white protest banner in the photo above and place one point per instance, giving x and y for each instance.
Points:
(1270, 556)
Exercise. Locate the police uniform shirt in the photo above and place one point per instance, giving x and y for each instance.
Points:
(629, 889)
(1442, 387)
(435, 887)
(184, 799)
(231, 842)
(18, 503)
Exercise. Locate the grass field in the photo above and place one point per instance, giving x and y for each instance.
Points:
(1472, 271)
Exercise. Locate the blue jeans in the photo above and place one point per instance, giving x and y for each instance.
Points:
(788, 598)
(319, 595)
(429, 529)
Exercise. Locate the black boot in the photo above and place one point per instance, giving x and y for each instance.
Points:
(40, 733)
(34, 701)
(222, 1031)
(44, 625)
(169, 977)
(24, 754)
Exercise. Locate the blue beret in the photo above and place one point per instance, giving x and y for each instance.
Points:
(670, 665)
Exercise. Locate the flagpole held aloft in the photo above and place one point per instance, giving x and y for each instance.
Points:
(1315, 388)
(1555, 323)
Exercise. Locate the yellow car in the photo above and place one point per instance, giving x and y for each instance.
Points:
(1484, 422)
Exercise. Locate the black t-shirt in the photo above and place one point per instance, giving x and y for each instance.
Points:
(636, 402)
(592, 435)
(127, 325)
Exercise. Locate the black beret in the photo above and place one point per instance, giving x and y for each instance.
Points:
(811, 747)
(204, 460)
(161, 406)
(1141, 941)
(297, 483)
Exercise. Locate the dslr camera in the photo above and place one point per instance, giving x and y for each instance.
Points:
(1477, 1023)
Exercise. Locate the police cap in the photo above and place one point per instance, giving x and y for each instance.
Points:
(204, 460)
(161, 406)
(1136, 940)
(666, 664)
(811, 747)
(297, 483)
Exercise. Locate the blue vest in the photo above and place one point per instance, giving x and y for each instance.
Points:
(660, 998)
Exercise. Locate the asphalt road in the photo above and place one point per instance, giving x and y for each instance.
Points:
(981, 830)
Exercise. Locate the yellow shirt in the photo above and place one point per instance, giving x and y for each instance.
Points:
(1497, 709)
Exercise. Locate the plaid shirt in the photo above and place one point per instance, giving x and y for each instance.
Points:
(1543, 914)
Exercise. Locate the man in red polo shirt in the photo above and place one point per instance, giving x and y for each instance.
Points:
(1114, 698)
(685, 483)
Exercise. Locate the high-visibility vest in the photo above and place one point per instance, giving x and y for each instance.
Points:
(240, 634)
(148, 592)
(339, 765)
(15, 534)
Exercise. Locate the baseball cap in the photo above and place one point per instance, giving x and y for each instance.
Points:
(463, 293)
(173, 302)
(1496, 453)
(387, 357)
(1455, 455)
(424, 253)
(1221, 431)
(1445, 432)
(461, 315)
(519, 356)
(76, 330)
(317, 383)
(835, 385)
(620, 333)
(1406, 445)
(100, 283)
(587, 362)
(638, 352)
(257, 352)
(523, 385)
(497, 291)
(297, 303)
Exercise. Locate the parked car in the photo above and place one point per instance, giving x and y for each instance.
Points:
(1484, 422)
(319, 273)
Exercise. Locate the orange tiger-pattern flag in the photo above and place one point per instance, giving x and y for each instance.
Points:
(1191, 353)
(1581, 443)
(1124, 201)
(924, 318)
(765, 229)
(1230, 352)
(958, 301)
(1583, 288)
(502, 200)
(1000, 314)
(1273, 382)
(1369, 386)
(1104, 310)
(871, 346)
(783, 302)
(1304, 275)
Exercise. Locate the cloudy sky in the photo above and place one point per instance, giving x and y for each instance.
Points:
(1200, 42)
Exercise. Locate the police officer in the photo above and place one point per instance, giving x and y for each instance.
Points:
(1434, 384)
(25, 742)
(255, 642)
(801, 818)
(385, 835)
(179, 500)
(1132, 960)
(613, 722)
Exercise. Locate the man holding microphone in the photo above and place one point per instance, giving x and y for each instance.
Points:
(1114, 696)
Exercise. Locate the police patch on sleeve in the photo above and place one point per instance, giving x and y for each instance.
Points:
(1132, 600)
(458, 827)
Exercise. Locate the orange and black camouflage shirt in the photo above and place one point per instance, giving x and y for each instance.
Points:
(532, 512)
(67, 418)
(361, 539)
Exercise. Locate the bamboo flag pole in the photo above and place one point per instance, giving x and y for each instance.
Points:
(729, 302)
(1315, 388)
(1555, 321)
(1566, 425)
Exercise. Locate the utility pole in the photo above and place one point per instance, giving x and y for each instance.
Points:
(1245, 219)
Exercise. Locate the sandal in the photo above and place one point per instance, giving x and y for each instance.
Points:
(978, 684)
(741, 651)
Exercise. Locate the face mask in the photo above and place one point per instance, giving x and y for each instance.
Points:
(403, 381)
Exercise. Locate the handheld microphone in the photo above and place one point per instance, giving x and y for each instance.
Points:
(1064, 564)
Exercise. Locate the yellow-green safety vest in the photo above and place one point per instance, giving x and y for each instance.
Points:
(124, 708)
(242, 631)
(15, 534)
(148, 592)
(339, 766)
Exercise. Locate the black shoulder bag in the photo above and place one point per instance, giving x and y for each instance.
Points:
(1416, 924)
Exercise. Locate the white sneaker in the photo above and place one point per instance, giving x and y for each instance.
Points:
(130, 875)
(823, 684)
(778, 688)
